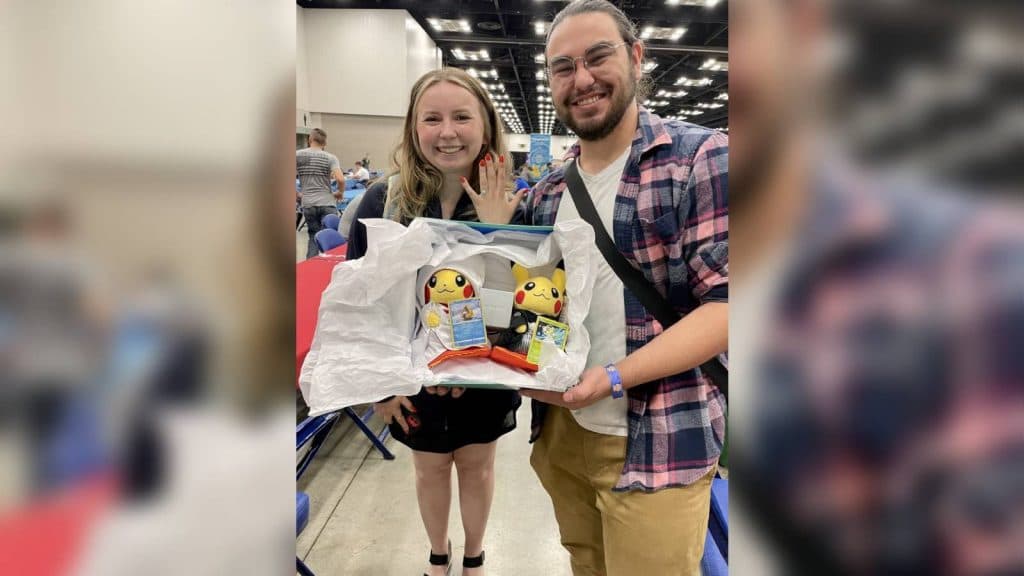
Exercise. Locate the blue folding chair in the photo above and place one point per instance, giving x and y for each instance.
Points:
(331, 221)
(328, 238)
(716, 544)
(301, 518)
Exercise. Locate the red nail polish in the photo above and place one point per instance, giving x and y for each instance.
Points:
(481, 163)
(463, 179)
(501, 159)
(488, 157)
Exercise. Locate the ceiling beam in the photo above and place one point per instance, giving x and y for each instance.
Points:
(515, 69)
(486, 40)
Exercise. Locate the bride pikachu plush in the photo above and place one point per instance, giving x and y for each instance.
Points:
(441, 287)
(534, 296)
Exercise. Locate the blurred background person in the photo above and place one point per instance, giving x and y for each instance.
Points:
(316, 168)
(360, 174)
(877, 401)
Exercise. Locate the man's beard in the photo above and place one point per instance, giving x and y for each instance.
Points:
(620, 101)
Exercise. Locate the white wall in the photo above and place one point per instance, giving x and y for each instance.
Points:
(301, 68)
(121, 81)
(351, 136)
(422, 56)
(364, 61)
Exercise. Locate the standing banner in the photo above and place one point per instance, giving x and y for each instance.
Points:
(540, 149)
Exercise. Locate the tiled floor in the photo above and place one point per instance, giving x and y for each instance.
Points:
(364, 520)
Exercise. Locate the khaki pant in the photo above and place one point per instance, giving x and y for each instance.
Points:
(616, 533)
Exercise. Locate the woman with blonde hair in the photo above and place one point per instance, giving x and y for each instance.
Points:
(452, 164)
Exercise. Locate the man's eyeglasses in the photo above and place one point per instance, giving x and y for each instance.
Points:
(564, 67)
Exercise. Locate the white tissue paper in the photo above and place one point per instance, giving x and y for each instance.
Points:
(366, 348)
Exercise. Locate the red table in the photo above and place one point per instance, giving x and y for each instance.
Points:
(48, 537)
(311, 278)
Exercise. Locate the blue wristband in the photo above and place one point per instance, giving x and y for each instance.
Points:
(616, 380)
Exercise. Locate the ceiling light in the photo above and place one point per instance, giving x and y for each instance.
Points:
(662, 33)
(540, 27)
(715, 65)
(471, 55)
(684, 81)
(442, 25)
(708, 3)
(649, 66)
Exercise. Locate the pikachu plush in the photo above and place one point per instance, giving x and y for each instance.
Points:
(442, 287)
(534, 296)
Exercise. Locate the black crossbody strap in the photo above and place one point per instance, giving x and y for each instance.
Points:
(632, 278)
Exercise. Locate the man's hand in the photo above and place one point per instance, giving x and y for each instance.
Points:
(391, 410)
(593, 386)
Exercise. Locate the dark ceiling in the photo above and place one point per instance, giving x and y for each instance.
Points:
(506, 30)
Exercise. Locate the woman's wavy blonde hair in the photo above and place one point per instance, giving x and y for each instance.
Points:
(418, 181)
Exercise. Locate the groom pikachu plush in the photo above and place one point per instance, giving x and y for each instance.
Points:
(442, 287)
(534, 296)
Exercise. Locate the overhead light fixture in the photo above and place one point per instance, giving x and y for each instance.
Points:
(707, 3)
(649, 66)
(443, 25)
(540, 27)
(715, 65)
(470, 55)
(539, 58)
(723, 96)
(662, 33)
(684, 81)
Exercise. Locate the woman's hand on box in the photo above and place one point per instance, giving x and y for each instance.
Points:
(494, 202)
(442, 390)
(391, 410)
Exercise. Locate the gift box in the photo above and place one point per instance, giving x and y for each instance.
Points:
(373, 340)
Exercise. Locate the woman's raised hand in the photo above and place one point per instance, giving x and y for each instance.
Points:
(493, 203)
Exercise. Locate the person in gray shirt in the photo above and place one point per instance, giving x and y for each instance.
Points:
(315, 167)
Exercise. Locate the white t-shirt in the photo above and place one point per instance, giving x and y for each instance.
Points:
(362, 174)
(606, 322)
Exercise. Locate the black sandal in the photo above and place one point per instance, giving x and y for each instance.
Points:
(442, 559)
(473, 562)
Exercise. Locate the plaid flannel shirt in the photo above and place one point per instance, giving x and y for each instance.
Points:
(672, 223)
(891, 385)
